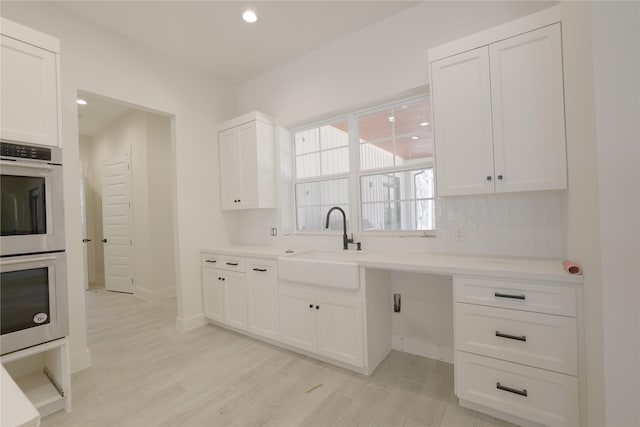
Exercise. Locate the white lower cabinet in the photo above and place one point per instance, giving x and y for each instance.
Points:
(537, 395)
(235, 299)
(327, 324)
(262, 297)
(224, 290)
(517, 349)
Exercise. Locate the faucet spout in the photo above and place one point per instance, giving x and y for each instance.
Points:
(345, 239)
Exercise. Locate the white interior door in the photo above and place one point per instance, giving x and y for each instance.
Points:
(116, 219)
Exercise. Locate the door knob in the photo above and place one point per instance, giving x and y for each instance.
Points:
(86, 240)
(104, 240)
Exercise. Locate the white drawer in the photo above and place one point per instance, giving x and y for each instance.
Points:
(259, 264)
(223, 262)
(560, 299)
(534, 394)
(540, 340)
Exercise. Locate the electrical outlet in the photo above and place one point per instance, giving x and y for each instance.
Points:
(458, 233)
(273, 231)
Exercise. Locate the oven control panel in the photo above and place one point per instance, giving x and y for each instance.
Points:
(21, 151)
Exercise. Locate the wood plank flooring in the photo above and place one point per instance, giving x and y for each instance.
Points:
(145, 373)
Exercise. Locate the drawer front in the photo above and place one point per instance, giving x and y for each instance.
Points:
(534, 394)
(540, 340)
(223, 262)
(260, 264)
(560, 299)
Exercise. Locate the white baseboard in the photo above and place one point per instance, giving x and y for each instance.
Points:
(193, 322)
(158, 295)
(422, 348)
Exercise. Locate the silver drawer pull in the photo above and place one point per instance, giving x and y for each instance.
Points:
(234, 264)
(511, 337)
(522, 392)
(212, 261)
(501, 295)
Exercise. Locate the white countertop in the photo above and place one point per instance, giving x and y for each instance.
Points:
(17, 410)
(424, 262)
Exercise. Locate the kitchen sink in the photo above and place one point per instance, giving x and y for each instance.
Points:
(333, 269)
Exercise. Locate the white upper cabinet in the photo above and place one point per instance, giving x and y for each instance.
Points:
(498, 109)
(528, 111)
(29, 81)
(247, 163)
(461, 93)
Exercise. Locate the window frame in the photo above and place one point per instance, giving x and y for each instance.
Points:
(355, 174)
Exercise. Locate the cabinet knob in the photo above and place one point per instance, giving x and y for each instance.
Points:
(488, 178)
(500, 177)
(317, 307)
(310, 305)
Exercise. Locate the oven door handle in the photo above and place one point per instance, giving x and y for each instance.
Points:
(25, 165)
(26, 260)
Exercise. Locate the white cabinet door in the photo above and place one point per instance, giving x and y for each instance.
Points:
(246, 164)
(230, 187)
(340, 328)
(262, 298)
(235, 299)
(29, 106)
(528, 111)
(461, 96)
(297, 318)
(213, 294)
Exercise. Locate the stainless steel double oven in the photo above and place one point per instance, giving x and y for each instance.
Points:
(33, 283)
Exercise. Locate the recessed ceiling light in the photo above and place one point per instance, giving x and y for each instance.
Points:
(424, 123)
(392, 119)
(414, 137)
(81, 101)
(249, 16)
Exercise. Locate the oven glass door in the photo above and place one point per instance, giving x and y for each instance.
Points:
(24, 207)
(25, 299)
(32, 208)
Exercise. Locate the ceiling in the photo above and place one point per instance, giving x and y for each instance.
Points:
(212, 36)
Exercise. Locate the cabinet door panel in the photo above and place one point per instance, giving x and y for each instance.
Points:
(247, 161)
(297, 318)
(29, 93)
(461, 97)
(262, 298)
(213, 294)
(229, 169)
(235, 300)
(528, 111)
(340, 328)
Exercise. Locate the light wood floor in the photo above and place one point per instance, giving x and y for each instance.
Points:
(145, 373)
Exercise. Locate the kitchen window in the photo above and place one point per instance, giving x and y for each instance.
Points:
(382, 157)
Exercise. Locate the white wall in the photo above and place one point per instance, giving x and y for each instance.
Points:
(95, 270)
(104, 63)
(616, 72)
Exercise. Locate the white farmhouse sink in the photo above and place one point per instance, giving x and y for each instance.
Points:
(321, 268)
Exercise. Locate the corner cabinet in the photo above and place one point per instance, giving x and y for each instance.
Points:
(30, 89)
(498, 110)
(247, 163)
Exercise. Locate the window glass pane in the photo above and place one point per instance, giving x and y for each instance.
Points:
(308, 194)
(314, 199)
(334, 136)
(335, 161)
(378, 155)
(307, 141)
(413, 148)
(375, 126)
(398, 201)
(308, 165)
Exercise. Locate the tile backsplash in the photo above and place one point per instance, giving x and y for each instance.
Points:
(529, 224)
